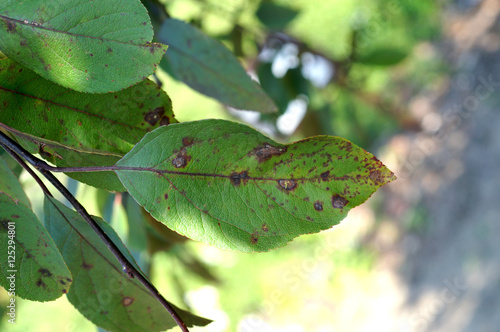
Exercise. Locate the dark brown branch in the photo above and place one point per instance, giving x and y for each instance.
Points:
(10, 146)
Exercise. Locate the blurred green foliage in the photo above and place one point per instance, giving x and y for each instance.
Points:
(369, 56)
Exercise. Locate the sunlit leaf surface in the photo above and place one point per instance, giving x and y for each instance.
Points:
(87, 45)
(227, 185)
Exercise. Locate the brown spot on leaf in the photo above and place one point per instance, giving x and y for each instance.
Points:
(338, 202)
(325, 175)
(254, 239)
(287, 184)
(44, 272)
(376, 176)
(11, 26)
(237, 177)
(187, 141)
(346, 146)
(4, 224)
(180, 161)
(318, 206)
(109, 50)
(15, 216)
(166, 196)
(155, 115)
(165, 121)
(40, 283)
(87, 266)
(266, 151)
(127, 300)
(265, 228)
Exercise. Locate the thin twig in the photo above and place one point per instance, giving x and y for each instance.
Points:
(9, 145)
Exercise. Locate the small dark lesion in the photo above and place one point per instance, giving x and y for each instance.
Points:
(254, 238)
(376, 176)
(127, 300)
(87, 266)
(45, 272)
(11, 26)
(339, 202)
(154, 116)
(181, 160)
(187, 141)
(4, 224)
(266, 151)
(165, 121)
(237, 178)
(287, 184)
(325, 175)
(40, 283)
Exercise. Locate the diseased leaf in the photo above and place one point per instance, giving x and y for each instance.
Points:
(92, 46)
(101, 291)
(210, 68)
(9, 184)
(111, 122)
(105, 126)
(227, 185)
(31, 266)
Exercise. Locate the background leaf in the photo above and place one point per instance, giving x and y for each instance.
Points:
(78, 129)
(210, 68)
(227, 185)
(384, 56)
(275, 16)
(40, 272)
(90, 46)
(101, 291)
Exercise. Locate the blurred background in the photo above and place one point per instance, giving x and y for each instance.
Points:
(414, 82)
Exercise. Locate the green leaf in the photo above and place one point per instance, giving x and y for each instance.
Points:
(210, 68)
(105, 126)
(385, 56)
(9, 184)
(274, 16)
(227, 185)
(89, 46)
(101, 291)
(31, 266)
